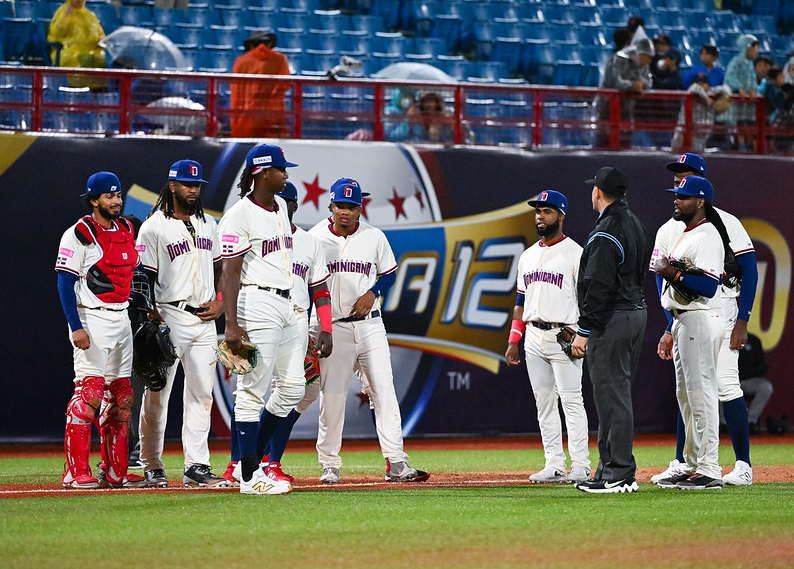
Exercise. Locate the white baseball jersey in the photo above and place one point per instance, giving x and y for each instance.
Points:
(76, 258)
(183, 263)
(701, 244)
(308, 265)
(548, 278)
(264, 237)
(363, 256)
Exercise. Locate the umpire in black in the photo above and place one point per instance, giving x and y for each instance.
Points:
(612, 321)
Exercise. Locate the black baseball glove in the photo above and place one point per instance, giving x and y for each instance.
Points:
(153, 353)
(565, 338)
(686, 266)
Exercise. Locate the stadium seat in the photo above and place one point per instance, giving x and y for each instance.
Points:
(35, 9)
(422, 45)
(233, 16)
(448, 28)
(325, 21)
(455, 65)
(355, 44)
(18, 38)
(508, 51)
(220, 60)
(225, 35)
(263, 19)
(568, 73)
(369, 23)
(139, 15)
(321, 43)
(292, 19)
(107, 14)
(388, 44)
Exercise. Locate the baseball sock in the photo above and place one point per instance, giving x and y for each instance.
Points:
(247, 434)
(234, 442)
(268, 423)
(680, 438)
(281, 437)
(736, 419)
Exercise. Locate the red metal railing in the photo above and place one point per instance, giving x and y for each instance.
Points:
(47, 99)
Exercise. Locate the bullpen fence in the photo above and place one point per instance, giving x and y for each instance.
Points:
(120, 102)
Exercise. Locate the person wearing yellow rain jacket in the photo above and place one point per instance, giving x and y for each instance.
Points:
(78, 30)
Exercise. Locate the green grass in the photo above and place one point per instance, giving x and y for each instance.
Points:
(495, 527)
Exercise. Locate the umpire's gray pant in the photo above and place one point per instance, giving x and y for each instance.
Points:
(612, 358)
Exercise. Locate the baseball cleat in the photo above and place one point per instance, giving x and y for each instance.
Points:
(675, 467)
(330, 475)
(401, 472)
(229, 474)
(261, 484)
(673, 481)
(742, 475)
(128, 481)
(549, 475)
(237, 471)
(700, 482)
(200, 475)
(578, 474)
(606, 487)
(79, 481)
(155, 478)
(273, 470)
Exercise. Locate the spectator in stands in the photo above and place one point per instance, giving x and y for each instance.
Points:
(666, 74)
(257, 107)
(78, 30)
(702, 114)
(661, 44)
(740, 77)
(771, 88)
(708, 65)
(426, 119)
(762, 64)
(627, 71)
(635, 22)
(621, 38)
(752, 368)
(788, 70)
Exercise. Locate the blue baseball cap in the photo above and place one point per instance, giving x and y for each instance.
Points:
(347, 190)
(290, 192)
(695, 186)
(551, 198)
(102, 183)
(186, 171)
(688, 163)
(265, 156)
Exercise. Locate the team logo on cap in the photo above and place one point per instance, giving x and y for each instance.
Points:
(543, 196)
(263, 160)
(194, 170)
(682, 158)
(348, 192)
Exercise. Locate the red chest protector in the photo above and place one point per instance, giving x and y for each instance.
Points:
(109, 279)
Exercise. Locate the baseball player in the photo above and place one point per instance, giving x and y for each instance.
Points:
(180, 251)
(730, 393)
(697, 330)
(362, 267)
(96, 260)
(257, 251)
(546, 301)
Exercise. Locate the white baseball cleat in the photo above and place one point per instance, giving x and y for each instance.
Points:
(579, 474)
(261, 484)
(549, 475)
(673, 469)
(742, 475)
(330, 475)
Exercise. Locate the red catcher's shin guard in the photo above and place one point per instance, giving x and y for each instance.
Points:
(115, 428)
(77, 444)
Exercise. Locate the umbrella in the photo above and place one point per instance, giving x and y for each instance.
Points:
(139, 48)
(411, 71)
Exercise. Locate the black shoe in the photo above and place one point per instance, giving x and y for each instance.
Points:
(606, 487)
(700, 482)
(200, 475)
(672, 481)
(156, 478)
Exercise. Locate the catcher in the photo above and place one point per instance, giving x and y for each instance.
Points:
(547, 277)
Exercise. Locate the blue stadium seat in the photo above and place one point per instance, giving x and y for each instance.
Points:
(429, 46)
(291, 38)
(369, 23)
(448, 28)
(493, 70)
(223, 4)
(355, 44)
(388, 44)
(194, 33)
(292, 19)
(225, 35)
(36, 9)
(328, 21)
(321, 43)
(530, 13)
(723, 21)
(107, 14)
(17, 38)
(614, 16)
(508, 51)
(204, 17)
(233, 16)
(263, 19)
(569, 73)
(318, 64)
(137, 15)
(559, 14)
(165, 17)
(455, 65)
(221, 60)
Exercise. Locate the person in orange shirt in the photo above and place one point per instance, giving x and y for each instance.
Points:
(258, 106)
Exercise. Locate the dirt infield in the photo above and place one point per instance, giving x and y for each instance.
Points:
(761, 473)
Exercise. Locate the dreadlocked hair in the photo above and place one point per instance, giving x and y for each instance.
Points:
(716, 221)
(245, 183)
(165, 202)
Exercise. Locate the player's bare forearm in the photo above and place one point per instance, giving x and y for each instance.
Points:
(665, 347)
(230, 285)
(325, 344)
(739, 335)
(512, 356)
(211, 310)
(363, 305)
(80, 339)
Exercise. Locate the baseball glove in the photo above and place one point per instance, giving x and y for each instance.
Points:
(152, 354)
(241, 361)
(311, 368)
(686, 266)
(565, 338)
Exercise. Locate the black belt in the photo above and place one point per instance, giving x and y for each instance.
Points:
(279, 291)
(105, 308)
(183, 305)
(373, 314)
(546, 325)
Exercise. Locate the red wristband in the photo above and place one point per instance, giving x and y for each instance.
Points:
(516, 331)
(324, 293)
(324, 316)
(220, 295)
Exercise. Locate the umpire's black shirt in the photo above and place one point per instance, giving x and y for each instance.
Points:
(613, 267)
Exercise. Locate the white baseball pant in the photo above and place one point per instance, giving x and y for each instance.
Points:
(697, 336)
(728, 360)
(553, 376)
(363, 342)
(194, 342)
(110, 352)
(271, 324)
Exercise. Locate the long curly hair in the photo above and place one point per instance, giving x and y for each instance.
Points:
(246, 182)
(165, 202)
